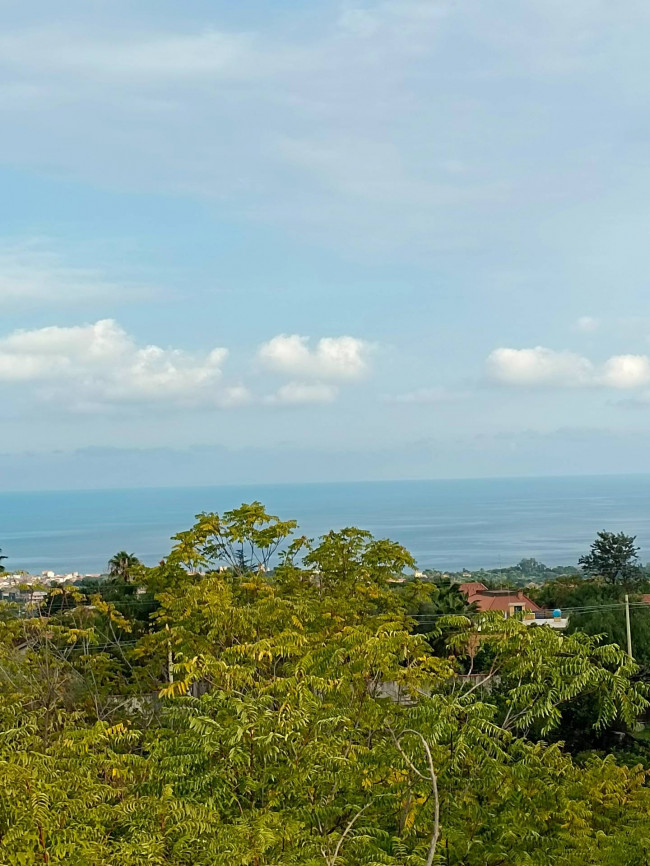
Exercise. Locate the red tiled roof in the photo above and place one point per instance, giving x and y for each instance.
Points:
(502, 601)
(496, 599)
(471, 588)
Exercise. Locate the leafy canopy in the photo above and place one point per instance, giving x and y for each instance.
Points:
(277, 706)
(613, 556)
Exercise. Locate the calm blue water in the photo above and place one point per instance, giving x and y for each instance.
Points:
(445, 524)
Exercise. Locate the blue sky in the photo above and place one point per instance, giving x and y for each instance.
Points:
(250, 241)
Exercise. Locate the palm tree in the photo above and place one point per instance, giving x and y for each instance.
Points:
(122, 565)
(450, 600)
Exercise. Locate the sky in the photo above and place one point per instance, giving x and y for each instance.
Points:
(299, 241)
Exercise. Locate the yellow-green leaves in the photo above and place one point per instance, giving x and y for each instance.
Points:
(276, 708)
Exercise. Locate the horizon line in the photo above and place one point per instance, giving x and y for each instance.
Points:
(328, 483)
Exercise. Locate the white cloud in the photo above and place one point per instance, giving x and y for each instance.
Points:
(100, 364)
(30, 270)
(587, 324)
(332, 359)
(301, 394)
(97, 367)
(541, 366)
(538, 366)
(626, 371)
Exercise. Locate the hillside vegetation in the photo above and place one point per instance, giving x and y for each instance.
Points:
(261, 698)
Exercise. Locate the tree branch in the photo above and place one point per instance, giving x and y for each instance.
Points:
(332, 860)
(434, 785)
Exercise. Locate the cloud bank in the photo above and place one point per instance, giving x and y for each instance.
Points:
(540, 366)
(97, 366)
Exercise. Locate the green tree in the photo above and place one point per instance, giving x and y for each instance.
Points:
(449, 600)
(240, 540)
(598, 608)
(614, 557)
(300, 721)
(123, 566)
(539, 672)
(438, 612)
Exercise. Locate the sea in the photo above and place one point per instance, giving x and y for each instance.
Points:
(446, 524)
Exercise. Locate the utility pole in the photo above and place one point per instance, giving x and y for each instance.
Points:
(627, 625)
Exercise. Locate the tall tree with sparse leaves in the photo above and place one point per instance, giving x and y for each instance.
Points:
(614, 557)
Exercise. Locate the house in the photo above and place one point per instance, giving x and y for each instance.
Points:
(510, 602)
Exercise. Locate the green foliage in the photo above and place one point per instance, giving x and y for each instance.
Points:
(243, 539)
(439, 610)
(277, 705)
(614, 557)
(525, 572)
(123, 566)
(541, 672)
(598, 608)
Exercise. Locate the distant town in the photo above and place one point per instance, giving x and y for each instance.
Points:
(23, 587)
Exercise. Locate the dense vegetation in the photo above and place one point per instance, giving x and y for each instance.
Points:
(595, 598)
(524, 572)
(212, 710)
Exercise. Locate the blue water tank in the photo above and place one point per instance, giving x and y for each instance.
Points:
(557, 613)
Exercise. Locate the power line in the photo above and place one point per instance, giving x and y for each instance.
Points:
(576, 609)
(118, 604)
